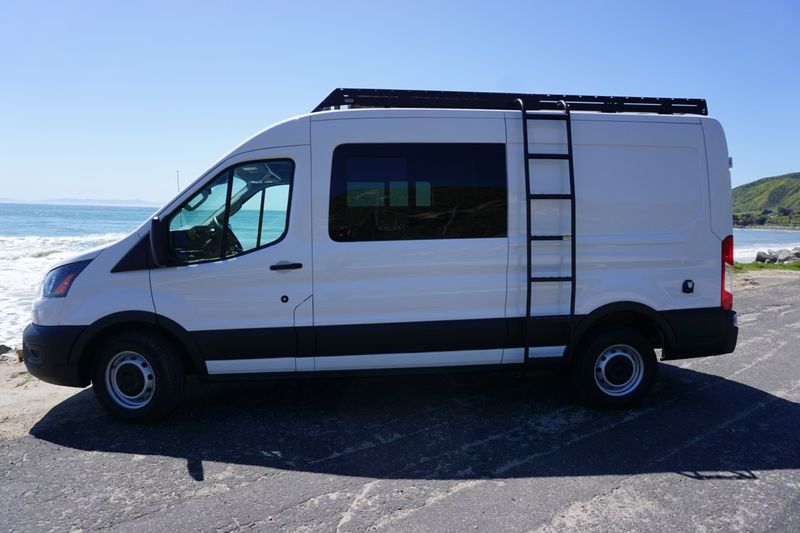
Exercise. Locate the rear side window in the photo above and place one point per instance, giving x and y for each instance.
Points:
(387, 192)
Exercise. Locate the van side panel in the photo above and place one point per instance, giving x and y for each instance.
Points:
(643, 216)
(719, 178)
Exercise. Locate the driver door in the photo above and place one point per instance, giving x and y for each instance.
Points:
(241, 253)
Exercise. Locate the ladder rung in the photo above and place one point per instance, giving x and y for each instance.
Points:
(543, 279)
(548, 156)
(546, 116)
(551, 197)
(551, 237)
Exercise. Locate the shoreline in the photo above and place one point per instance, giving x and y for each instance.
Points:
(767, 227)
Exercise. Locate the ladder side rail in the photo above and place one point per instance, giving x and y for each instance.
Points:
(573, 243)
(528, 243)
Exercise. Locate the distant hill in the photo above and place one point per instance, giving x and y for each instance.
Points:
(768, 193)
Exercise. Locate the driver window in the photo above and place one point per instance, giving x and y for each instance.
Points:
(250, 201)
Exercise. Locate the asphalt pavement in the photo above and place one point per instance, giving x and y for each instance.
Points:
(715, 447)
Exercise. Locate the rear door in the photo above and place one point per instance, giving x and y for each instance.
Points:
(410, 242)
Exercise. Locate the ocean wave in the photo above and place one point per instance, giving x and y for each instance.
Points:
(44, 253)
(23, 263)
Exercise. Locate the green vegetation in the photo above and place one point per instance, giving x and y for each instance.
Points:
(750, 267)
(771, 201)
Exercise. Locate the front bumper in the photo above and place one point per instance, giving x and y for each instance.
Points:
(701, 332)
(46, 352)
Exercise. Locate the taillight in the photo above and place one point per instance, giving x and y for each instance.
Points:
(727, 273)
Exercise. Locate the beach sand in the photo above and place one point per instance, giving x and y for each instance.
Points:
(24, 399)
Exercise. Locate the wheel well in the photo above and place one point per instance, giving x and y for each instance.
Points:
(90, 352)
(645, 325)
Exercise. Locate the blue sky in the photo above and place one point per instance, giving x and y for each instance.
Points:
(107, 100)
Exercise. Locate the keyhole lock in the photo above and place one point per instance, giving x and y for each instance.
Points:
(284, 298)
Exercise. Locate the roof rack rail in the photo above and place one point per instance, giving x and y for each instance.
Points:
(533, 102)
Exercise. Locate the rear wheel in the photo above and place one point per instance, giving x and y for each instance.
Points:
(138, 376)
(614, 368)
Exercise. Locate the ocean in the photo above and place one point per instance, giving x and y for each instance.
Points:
(33, 236)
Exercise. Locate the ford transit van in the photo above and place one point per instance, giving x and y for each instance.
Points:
(404, 230)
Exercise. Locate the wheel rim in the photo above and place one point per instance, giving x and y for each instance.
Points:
(130, 380)
(619, 370)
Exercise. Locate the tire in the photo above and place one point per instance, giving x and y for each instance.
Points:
(614, 368)
(138, 376)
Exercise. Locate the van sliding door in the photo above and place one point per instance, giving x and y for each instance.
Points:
(410, 242)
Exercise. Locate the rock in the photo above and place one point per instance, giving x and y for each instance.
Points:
(5, 349)
(784, 255)
(770, 256)
(792, 260)
(796, 251)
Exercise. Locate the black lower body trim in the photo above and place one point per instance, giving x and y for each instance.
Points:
(248, 343)
(411, 337)
(691, 333)
(52, 353)
(398, 337)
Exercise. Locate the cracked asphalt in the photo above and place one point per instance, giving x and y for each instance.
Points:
(715, 447)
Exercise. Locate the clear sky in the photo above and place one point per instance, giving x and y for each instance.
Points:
(106, 100)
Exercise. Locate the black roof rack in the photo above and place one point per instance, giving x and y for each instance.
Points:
(471, 100)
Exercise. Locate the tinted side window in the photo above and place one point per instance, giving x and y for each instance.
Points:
(385, 192)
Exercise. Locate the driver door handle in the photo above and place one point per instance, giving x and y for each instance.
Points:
(286, 266)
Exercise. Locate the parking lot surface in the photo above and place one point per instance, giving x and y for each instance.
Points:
(715, 447)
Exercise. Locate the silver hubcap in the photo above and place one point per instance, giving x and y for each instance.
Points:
(619, 370)
(130, 380)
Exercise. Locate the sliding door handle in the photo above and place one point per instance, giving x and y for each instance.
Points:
(286, 266)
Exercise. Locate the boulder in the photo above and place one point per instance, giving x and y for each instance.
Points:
(784, 255)
(770, 256)
(796, 251)
(5, 349)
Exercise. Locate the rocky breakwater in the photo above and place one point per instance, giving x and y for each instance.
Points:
(783, 256)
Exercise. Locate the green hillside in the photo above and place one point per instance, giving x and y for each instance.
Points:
(768, 193)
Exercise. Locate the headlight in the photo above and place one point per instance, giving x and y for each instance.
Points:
(57, 282)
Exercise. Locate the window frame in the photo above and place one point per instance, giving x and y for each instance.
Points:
(333, 174)
(175, 262)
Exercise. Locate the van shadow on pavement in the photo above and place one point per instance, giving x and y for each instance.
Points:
(454, 427)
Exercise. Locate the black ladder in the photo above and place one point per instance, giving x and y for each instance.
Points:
(565, 117)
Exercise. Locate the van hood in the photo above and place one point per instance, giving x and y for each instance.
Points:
(83, 256)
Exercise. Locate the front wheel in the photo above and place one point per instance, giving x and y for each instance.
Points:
(614, 368)
(138, 376)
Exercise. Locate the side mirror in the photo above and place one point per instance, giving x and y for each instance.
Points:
(159, 241)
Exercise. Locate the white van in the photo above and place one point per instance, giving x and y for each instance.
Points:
(406, 230)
